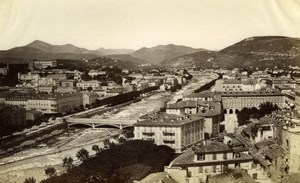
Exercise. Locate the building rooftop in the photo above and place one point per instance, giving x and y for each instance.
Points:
(275, 151)
(250, 93)
(236, 175)
(232, 81)
(159, 177)
(212, 147)
(209, 108)
(205, 94)
(14, 95)
(163, 119)
(188, 158)
(183, 104)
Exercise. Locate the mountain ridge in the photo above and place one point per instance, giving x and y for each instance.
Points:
(260, 52)
(157, 54)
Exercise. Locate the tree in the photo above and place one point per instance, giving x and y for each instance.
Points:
(82, 154)
(81, 108)
(87, 106)
(245, 114)
(128, 133)
(121, 140)
(50, 171)
(29, 180)
(68, 163)
(96, 149)
(267, 108)
(89, 88)
(106, 143)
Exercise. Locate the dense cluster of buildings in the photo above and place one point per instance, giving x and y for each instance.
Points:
(202, 126)
(52, 91)
(264, 149)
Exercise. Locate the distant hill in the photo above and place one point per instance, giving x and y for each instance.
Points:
(44, 51)
(157, 54)
(254, 52)
(126, 57)
(106, 61)
(103, 51)
(49, 48)
(69, 48)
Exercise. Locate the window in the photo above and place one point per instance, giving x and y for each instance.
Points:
(214, 156)
(225, 156)
(287, 144)
(200, 157)
(201, 180)
(214, 168)
(200, 169)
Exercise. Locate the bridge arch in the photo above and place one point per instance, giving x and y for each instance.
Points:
(106, 125)
(113, 125)
(80, 124)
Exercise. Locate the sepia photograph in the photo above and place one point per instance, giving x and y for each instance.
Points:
(149, 91)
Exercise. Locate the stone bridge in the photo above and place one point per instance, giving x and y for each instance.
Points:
(94, 122)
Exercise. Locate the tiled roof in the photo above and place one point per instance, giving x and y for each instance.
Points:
(212, 147)
(159, 177)
(275, 151)
(183, 104)
(212, 108)
(250, 93)
(205, 94)
(163, 119)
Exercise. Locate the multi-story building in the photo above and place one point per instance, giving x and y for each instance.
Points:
(203, 96)
(211, 158)
(211, 112)
(47, 89)
(229, 85)
(46, 103)
(44, 81)
(28, 77)
(177, 132)
(89, 98)
(12, 115)
(260, 75)
(65, 90)
(263, 129)
(229, 75)
(233, 102)
(42, 64)
(290, 141)
(94, 84)
(94, 73)
(68, 83)
(57, 77)
(114, 92)
(236, 85)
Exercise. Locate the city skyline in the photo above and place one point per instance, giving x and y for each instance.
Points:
(211, 25)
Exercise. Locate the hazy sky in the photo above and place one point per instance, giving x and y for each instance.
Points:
(211, 24)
